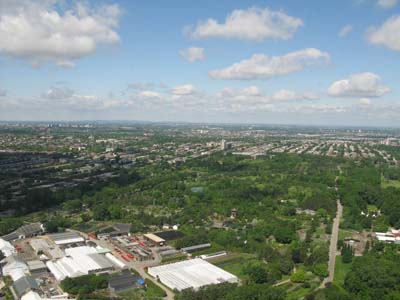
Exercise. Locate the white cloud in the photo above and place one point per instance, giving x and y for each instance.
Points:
(366, 102)
(254, 24)
(183, 90)
(358, 85)
(65, 96)
(388, 34)
(387, 3)
(3, 93)
(287, 95)
(253, 99)
(149, 94)
(345, 31)
(260, 66)
(192, 54)
(38, 32)
(58, 93)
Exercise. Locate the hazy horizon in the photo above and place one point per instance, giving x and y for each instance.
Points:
(205, 62)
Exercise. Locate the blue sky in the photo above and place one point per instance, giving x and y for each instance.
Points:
(201, 61)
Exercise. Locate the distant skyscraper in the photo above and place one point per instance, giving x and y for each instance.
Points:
(224, 145)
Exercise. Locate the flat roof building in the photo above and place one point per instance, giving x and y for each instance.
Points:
(154, 239)
(124, 281)
(37, 267)
(65, 238)
(194, 273)
(79, 261)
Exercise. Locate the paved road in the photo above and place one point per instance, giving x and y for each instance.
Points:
(333, 244)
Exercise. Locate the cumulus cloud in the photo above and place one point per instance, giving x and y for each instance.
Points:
(345, 31)
(388, 34)
(149, 94)
(61, 96)
(254, 24)
(365, 102)
(253, 99)
(192, 54)
(387, 3)
(287, 95)
(37, 31)
(261, 66)
(58, 93)
(183, 90)
(358, 85)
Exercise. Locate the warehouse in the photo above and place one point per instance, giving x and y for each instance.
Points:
(44, 246)
(154, 239)
(24, 285)
(25, 231)
(79, 261)
(15, 268)
(66, 238)
(6, 248)
(37, 268)
(124, 281)
(193, 273)
(196, 248)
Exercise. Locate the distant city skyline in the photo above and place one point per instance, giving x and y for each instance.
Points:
(332, 63)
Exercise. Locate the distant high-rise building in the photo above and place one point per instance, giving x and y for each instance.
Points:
(224, 145)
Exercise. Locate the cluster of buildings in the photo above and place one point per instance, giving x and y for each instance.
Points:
(392, 236)
(37, 262)
(341, 148)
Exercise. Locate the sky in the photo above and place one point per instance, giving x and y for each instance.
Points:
(306, 62)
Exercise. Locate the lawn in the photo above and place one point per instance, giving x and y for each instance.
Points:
(341, 270)
(345, 234)
(390, 183)
(234, 263)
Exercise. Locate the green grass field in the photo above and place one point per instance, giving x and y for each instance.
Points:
(234, 263)
(345, 234)
(341, 270)
(390, 183)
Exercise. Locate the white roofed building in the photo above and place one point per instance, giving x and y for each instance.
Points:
(79, 261)
(194, 273)
(15, 268)
(6, 248)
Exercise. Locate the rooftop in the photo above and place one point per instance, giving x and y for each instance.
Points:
(193, 273)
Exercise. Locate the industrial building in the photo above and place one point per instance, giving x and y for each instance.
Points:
(35, 296)
(15, 268)
(154, 239)
(46, 247)
(79, 261)
(66, 238)
(196, 248)
(37, 268)
(25, 231)
(25, 284)
(6, 248)
(194, 274)
(124, 281)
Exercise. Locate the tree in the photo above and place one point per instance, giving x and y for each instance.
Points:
(101, 213)
(321, 270)
(299, 276)
(283, 234)
(347, 254)
(257, 273)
